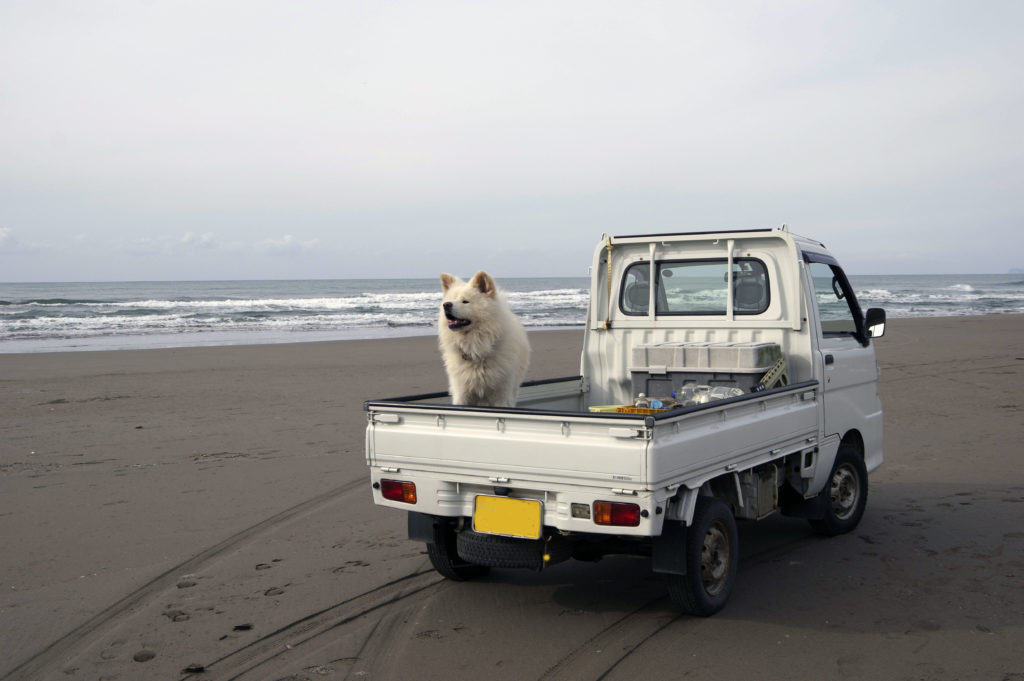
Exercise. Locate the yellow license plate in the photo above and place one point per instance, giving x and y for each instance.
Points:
(508, 517)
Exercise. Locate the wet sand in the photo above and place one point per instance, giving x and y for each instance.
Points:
(209, 508)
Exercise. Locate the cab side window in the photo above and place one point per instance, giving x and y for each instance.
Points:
(837, 306)
(636, 289)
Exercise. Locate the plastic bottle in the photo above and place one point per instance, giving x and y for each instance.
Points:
(642, 402)
(684, 396)
(723, 392)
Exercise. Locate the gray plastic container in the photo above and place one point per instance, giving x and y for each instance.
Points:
(659, 369)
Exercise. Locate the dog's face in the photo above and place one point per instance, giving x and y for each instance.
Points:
(466, 303)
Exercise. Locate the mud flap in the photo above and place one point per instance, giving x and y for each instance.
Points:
(421, 527)
(668, 551)
(793, 505)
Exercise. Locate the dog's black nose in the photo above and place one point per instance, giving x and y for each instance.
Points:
(447, 307)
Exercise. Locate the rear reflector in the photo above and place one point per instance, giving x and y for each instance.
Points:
(616, 513)
(396, 490)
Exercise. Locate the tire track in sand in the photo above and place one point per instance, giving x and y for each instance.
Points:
(286, 651)
(603, 651)
(600, 654)
(255, 655)
(46, 659)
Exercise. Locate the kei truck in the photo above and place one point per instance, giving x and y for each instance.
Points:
(724, 375)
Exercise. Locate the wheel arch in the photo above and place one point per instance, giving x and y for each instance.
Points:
(855, 441)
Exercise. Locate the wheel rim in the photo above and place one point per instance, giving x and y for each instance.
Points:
(714, 559)
(845, 491)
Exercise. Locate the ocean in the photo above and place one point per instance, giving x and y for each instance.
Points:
(52, 317)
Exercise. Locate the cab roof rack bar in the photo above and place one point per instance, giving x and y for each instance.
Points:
(669, 234)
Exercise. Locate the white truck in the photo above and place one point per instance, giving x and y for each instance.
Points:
(757, 386)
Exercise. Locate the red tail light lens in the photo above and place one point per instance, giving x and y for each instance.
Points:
(396, 490)
(616, 513)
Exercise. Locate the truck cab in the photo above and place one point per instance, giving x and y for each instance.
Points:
(761, 286)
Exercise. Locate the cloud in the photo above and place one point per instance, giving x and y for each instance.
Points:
(391, 127)
(287, 244)
(160, 245)
(164, 245)
(194, 240)
(11, 243)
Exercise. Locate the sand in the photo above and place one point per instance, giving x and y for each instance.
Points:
(209, 508)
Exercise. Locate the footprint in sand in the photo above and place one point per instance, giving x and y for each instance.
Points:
(112, 651)
(187, 582)
(267, 566)
(177, 615)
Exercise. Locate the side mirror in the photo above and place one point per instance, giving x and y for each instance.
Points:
(874, 320)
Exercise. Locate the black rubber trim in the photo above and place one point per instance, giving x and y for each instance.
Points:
(649, 419)
(428, 396)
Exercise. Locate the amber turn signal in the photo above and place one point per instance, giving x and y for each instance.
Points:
(396, 490)
(616, 513)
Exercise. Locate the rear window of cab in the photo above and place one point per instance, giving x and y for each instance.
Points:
(695, 287)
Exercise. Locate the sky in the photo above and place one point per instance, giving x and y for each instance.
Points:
(194, 140)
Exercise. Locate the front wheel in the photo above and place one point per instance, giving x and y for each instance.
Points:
(846, 494)
(444, 556)
(712, 557)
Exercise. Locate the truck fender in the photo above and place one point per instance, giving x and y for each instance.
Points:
(681, 506)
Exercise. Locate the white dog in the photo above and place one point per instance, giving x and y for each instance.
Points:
(484, 347)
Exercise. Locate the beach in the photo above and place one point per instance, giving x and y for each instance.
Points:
(208, 509)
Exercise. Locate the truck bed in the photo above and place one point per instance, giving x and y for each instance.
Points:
(552, 445)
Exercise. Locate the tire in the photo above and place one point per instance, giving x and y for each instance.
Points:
(712, 558)
(444, 556)
(846, 495)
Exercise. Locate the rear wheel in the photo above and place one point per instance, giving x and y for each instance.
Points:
(712, 557)
(846, 494)
(444, 556)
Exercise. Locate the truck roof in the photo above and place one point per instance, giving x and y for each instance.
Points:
(800, 240)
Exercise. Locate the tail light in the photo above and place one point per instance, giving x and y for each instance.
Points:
(396, 490)
(616, 513)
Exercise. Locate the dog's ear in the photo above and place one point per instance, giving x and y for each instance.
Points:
(446, 281)
(483, 282)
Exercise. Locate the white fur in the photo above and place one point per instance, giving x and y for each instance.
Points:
(486, 352)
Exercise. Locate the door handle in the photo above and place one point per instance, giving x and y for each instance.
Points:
(830, 359)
